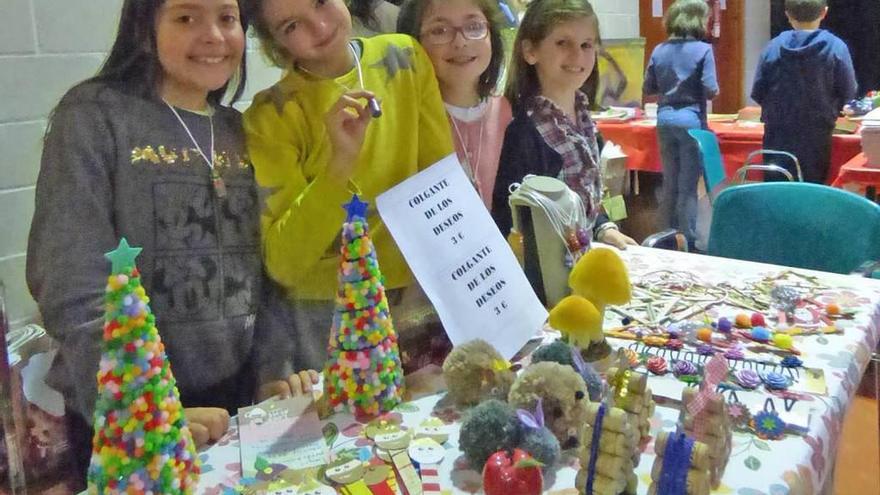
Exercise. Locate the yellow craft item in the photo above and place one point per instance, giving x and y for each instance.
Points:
(501, 364)
(783, 340)
(743, 321)
(832, 309)
(655, 341)
(600, 276)
(578, 318)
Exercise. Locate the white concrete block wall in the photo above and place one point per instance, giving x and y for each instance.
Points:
(46, 46)
(757, 34)
(618, 19)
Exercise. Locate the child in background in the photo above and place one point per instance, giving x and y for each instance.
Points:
(551, 133)
(682, 72)
(804, 78)
(372, 17)
(463, 40)
(145, 150)
(313, 141)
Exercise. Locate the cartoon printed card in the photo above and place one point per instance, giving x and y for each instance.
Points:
(286, 432)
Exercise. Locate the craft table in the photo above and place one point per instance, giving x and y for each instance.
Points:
(638, 138)
(855, 175)
(793, 465)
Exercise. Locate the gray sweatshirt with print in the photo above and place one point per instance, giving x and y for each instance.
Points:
(116, 165)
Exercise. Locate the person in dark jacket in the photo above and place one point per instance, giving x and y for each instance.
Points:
(803, 79)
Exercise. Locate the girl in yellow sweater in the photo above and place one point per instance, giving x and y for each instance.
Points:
(315, 137)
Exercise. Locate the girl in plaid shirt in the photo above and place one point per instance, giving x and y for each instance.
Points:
(551, 133)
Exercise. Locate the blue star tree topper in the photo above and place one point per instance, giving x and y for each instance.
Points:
(355, 208)
(123, 256)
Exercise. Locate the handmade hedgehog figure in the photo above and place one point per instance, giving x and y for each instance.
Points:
(563, 398)
(475, 371)
(537, 439)
(487, 428)
(560, 352)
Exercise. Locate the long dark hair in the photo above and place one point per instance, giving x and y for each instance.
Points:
(133, 63)
(540, 18)
(365, 11)
(412, 15)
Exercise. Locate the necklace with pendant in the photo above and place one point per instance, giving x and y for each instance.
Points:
(473, 164)
(216, 180)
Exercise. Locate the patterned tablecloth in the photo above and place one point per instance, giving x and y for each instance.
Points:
(794, 465)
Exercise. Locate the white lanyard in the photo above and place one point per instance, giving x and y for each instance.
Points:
(219, 185)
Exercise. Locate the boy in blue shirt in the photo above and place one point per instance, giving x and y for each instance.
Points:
(803, 79)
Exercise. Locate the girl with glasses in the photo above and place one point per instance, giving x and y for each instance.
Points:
(463, 40)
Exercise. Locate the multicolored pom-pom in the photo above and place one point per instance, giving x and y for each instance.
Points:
(761, 334)
(704, 334)
(363, 373)
(142, 443)
(757, 320)
(783, 340)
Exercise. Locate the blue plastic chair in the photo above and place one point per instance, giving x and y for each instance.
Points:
(714, 173)
(795, 224)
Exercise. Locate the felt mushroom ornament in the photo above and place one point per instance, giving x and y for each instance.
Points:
(597, 280)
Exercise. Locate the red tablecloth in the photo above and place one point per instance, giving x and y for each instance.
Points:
(639, 141)
(855, 175)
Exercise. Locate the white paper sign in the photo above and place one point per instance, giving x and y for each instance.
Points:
(657, 8)
(459, 257)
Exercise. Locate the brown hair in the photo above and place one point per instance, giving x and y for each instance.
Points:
(276, 53)
(412, 14)
(805, 10)
(540, 18)
(687, 19)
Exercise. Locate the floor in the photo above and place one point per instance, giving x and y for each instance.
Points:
(858, 458)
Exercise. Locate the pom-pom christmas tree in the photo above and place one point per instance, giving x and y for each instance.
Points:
(363, 372)
(142, 443)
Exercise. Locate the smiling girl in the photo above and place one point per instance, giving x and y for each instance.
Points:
(551, 133)
(314, 138)
(463, 40)
(144, 150)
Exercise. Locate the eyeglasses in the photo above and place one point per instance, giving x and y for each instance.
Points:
(440, 35)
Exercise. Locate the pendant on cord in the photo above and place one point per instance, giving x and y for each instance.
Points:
(578, 242)
(219, 185)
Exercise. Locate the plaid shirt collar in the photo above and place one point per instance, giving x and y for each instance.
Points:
(575, 142)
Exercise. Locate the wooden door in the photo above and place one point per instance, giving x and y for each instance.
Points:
(729, 55)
